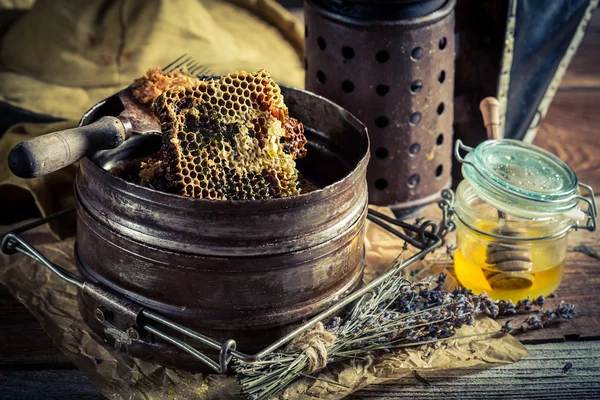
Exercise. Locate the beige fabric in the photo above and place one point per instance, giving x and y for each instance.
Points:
(16, 4)
(63, 56)
(52, 193)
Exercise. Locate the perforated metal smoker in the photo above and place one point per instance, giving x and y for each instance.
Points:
(390, 63)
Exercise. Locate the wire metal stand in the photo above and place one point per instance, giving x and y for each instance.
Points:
(425, 236)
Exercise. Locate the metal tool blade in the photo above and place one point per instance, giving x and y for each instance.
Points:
(140, 117)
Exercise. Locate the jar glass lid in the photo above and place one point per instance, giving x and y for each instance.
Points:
(520, 179)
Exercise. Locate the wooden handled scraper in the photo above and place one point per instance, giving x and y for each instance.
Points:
(104, 126)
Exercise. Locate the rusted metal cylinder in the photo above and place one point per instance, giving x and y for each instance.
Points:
(390, 63)
(247, 270)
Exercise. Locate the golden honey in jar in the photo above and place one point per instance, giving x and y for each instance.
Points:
(515, 209)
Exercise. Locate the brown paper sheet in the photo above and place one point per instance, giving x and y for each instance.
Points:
(119, 376)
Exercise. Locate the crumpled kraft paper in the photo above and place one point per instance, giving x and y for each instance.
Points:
(119, 376)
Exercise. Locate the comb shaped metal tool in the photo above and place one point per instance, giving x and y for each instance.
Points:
(107, 125)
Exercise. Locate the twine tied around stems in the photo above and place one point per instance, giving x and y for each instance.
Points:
(314, 344)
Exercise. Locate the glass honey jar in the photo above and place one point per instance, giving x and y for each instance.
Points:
(514, 211)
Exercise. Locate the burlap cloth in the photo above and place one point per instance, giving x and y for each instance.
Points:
(62, 57)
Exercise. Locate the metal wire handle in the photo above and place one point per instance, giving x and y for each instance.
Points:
(426, 237)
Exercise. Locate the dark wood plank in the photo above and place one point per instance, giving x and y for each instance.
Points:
(537, 376)
(23, 342)
(583, 70)
(570, 130)
(47, 385)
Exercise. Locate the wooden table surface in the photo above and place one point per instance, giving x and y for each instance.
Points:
(31, 366)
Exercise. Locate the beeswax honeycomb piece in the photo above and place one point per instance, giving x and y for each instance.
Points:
(230, 138)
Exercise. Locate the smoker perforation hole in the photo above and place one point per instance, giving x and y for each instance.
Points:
(321, 76)
(321, 43)
(442, 76)
(439, 170)
(416, 86)
(381, 122)
(382, 56)
(440, 139)
(440, 109)
(347, 52)
(381, 153)
(413, 180)
(382, 90)
(381, 184)
(416, 53)
(347, 86)
(414, 149)
(415, 118)
(443, 43)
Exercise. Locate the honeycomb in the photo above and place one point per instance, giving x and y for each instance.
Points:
(228, 138)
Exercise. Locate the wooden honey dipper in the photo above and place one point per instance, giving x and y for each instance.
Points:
(511, 266)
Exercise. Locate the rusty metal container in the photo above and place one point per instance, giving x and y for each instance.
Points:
(247, 270)
(391, 64)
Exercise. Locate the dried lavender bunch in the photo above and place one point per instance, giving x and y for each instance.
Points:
(398, 313)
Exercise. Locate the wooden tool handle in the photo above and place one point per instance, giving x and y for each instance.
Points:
(491, 116)
(48, 153)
